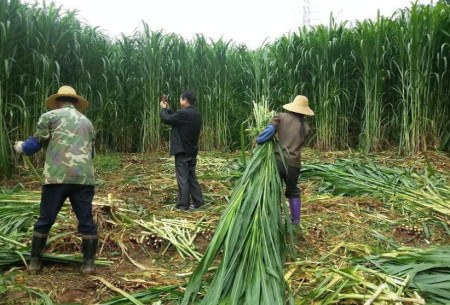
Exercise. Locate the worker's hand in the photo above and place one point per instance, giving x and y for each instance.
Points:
(164, 105)
(18, 147)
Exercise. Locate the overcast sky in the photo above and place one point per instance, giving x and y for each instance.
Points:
(244, 21)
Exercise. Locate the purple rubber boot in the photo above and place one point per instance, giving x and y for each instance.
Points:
(295, 205)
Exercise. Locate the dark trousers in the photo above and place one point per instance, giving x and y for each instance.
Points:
(290, 178)
(187, 181)
(52, 199)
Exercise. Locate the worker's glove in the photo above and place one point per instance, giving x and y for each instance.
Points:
(266, 135)
(18, 147)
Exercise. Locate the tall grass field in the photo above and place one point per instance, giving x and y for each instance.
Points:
(375, 84)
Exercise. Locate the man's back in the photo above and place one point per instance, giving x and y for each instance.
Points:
(186, 125)
(70, 136)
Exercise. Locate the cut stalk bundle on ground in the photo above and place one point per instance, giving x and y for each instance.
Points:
(18, 212)
(428, 270)
(18, 216)
(359, 285)
(15, 253)
(419, 192)
(352, 283)
(163, 293)
(178, 233)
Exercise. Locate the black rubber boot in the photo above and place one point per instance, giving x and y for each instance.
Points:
(37, 249)
(89, 249)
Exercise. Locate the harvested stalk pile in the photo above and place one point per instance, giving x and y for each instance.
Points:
(16, 253)
(146, 296)
(428, 270)
(178, 232)
(406, 275)
(359, 285)
(418, 192)
(161, 233)
(17, 212)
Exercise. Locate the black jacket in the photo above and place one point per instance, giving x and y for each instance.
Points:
(186, 124)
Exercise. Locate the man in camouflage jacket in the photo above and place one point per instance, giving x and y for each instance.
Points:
(68, 172)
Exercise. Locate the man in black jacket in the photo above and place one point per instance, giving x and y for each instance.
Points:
(186, 124)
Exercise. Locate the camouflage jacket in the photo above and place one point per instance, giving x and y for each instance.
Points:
(69, 137)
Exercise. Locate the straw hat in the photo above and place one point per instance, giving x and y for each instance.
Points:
(299, 105)
(52, 103)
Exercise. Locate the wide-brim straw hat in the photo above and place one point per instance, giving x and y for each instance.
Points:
(52, 103)
(299, 105)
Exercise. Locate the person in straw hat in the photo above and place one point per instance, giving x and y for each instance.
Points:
(68, 172)
(292, 131)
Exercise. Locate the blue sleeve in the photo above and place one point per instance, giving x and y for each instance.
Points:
(266, 135)
(31, 146)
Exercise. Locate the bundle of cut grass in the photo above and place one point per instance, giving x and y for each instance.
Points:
(17, 215)
(428, 270)
(153, 294)
(18, 210)
(252, 237)
(358, 285)
(13, 253)
(427, 192)
(179, 233)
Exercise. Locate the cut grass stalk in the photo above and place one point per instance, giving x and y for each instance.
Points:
(423, 193)
(252, 236)
(428, 270)
(146, 296)
(33, 169)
